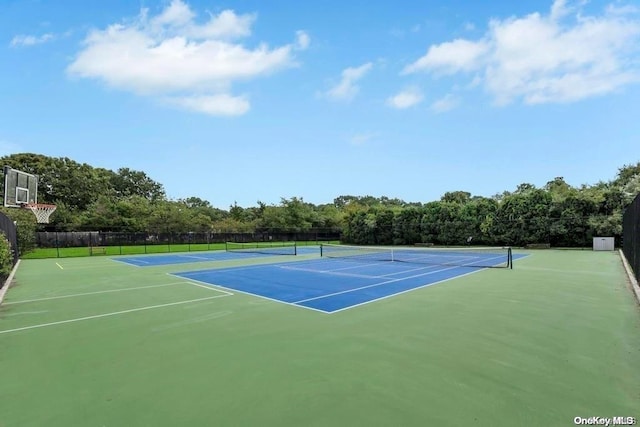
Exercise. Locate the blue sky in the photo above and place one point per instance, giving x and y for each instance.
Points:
(240, 101)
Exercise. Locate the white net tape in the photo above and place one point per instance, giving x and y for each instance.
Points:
(42, 212)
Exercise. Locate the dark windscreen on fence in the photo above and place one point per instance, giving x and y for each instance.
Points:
(153, 242)
(631, 235)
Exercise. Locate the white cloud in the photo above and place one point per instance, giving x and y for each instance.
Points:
(559, 9)
(450, 57)
(302, 40)
(361, 138)
(172, 55)
(217, 105)
(405, 99)
(347, 89)
(446, 103)
(617, 9)
(226, 25)
(23, 40)
(563, 56)
(177, 13)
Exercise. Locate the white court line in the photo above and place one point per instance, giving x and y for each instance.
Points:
(351, 266)
(81, 262)
(97, 316)
(403, 292)
(297, 303)
(220, 288)
(383, 283)
(20, 313)
(121, 261)
(208, 287)
(129, 262)
(59, 266)
(331, 272)
(196, 257)
(91, 293)
(432, 256)
(232, 268)
(336, 271)
(374, 285)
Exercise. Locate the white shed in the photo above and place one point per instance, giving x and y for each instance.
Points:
(603, 244)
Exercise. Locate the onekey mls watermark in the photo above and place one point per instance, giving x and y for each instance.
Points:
(605, 421)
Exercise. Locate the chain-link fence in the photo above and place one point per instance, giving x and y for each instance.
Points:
(115, 243)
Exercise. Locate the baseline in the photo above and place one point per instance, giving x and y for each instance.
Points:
(221, 288)
(403, 292)
(116, 313)
(91, 293)
(400, 279)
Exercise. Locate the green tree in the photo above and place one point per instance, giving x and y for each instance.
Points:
(299, 216)
(430, 222)
(461, 197)
(127, 183)
(523, 218)
(168, 217)
(406, 226)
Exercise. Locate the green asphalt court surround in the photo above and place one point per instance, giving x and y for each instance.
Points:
(94, 342)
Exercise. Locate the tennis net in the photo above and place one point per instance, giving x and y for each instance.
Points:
(268, 248)
(463, 257)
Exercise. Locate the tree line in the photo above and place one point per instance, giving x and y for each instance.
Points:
(127, 200)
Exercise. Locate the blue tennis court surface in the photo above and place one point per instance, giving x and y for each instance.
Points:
(329, 285)
(188, 257)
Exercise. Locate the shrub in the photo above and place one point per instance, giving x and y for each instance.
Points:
(26, 228)
(6, 257)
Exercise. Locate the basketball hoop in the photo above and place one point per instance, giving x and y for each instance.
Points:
(41, 211)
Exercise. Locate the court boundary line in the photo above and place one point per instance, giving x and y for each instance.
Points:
(413, 289)
(209, 287)
(337, 271)
(84, 262)
(196, 257)
(7, 283)
(297, 303)
(124, 262)
(398, 280)
(234, 256)
(115, 313)
(214, 286)
(208, 284)
(407, 290)
(90, 293)
(331, 273)
(380, 284)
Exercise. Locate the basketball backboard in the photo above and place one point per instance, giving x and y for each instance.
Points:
(20, 188)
